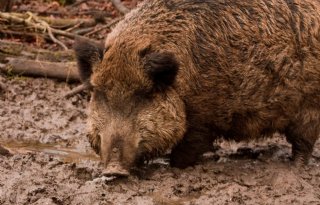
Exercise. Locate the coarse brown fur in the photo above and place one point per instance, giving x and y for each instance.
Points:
(246, 69)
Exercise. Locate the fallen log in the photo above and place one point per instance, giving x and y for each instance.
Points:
(14, 49)
(23, 35)
(66, 71)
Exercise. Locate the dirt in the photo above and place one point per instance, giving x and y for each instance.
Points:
(51, 161)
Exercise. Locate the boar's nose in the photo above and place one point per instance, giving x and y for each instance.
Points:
(115, 169)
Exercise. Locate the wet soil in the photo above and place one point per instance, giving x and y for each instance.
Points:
(51, 161)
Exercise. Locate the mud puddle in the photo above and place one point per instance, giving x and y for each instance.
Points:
(67, 155)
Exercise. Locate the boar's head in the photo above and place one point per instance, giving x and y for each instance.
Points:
(134, 112)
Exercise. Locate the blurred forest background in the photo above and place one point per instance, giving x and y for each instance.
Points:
(41, 33)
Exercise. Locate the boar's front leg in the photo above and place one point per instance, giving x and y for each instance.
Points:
(192, 146)
(302, 134)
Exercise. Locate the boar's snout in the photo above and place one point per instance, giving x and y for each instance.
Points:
(115, 169)
(117, 154)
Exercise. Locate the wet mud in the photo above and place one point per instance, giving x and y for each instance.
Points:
(51, 162)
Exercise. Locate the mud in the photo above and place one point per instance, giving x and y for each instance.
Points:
(51, 161)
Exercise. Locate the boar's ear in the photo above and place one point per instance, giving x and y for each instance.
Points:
(87, 54)
(162, 68)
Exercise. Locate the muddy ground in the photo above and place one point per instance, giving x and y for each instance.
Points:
(52, 162)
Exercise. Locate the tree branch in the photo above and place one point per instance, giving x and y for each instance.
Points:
(48, 29)
(78, 89)
(120, 7)
(38, 26)
(114, 21)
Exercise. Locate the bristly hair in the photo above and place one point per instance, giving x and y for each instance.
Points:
(162, 68)
(87, 54)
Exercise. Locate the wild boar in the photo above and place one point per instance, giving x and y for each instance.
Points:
(179, 74)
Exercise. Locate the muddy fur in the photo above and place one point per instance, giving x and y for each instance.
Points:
(246, 69)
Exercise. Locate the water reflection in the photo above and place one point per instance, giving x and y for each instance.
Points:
(66, 154)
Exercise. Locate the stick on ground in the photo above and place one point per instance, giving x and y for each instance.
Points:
(120, 7)
(78, 89)
(4, 151)
(111, 23)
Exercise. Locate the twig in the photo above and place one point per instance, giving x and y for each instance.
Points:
(74, 27)
(86, 85)
(83, 31)
(4, 151)
(15, 19)
(114, 21)
(48, 28)
(120, 7)
(59, 23)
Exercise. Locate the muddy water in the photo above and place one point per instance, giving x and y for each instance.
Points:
(64, 154)
(52, 162)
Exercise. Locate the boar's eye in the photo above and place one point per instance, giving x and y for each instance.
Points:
(162, 68)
